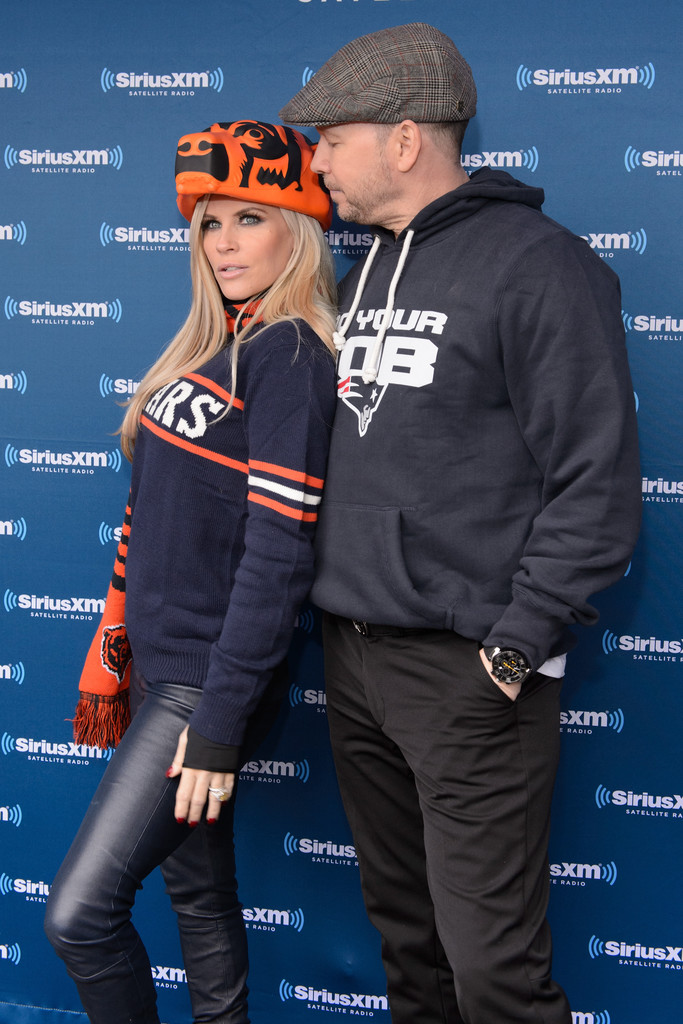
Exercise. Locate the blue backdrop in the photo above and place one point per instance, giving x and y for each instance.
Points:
(581, 98)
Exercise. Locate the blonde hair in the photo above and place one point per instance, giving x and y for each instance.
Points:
(304, 290)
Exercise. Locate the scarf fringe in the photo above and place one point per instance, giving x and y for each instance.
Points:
(101, 720)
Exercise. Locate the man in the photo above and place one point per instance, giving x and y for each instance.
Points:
(483, 482)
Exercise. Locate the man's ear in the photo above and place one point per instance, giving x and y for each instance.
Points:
(408, 143)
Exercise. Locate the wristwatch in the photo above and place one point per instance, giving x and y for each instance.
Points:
(507, 665)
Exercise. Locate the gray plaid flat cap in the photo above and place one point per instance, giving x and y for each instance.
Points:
(409, 71)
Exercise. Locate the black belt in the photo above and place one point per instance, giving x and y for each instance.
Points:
(372, 629)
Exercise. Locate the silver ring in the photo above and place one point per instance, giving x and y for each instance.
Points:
(220, 794)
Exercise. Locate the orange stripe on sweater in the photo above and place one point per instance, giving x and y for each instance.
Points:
(166, 435)
(288, 474)
(217, 390)
(285, 510)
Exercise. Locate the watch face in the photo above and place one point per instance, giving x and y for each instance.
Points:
(509, 667)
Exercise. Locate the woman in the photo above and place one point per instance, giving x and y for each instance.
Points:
(230, 432)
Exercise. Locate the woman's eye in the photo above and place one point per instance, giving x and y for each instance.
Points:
(250, 218)
(210, 225)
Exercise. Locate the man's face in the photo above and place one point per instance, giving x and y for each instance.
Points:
(352, 160)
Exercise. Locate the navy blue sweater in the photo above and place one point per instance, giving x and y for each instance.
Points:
(224, 509)
(488, 480)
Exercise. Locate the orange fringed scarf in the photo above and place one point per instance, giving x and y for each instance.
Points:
(103, 710)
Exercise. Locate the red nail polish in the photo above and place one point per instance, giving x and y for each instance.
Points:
(181, 821)
(211, 821)
(169, 772)
(193, 824)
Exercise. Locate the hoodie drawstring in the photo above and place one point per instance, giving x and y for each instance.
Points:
(371, 370)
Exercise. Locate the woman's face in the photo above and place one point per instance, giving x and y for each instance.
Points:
(247, 245)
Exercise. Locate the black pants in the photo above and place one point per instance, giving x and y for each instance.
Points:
(447, 785)
(128, 830)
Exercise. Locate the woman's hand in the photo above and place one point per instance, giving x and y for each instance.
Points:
(195, 786)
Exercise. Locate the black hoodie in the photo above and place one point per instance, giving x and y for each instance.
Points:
(487, 481)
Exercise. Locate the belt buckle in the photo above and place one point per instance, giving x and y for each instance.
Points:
(362, 627)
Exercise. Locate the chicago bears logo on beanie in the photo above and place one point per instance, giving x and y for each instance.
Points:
(254, 161)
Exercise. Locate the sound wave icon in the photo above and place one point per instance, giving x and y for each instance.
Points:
(286, 990)
(116, 157)
(302, 771)
(106, 534)
(7, 743)
(615, 720)
(609, 873)
(19, 528)
(19, 382)
(632, 158)
(11, 157)
(603, 797)
(596, 947)
(216, 80)
(106, 385)
(296, 695)
(291, 844)
(17, 672)
(296, 919)
(114, 460)
(106, 233)
(13, 815)
(628, 320)
(11, 455)
(19, 232)
(646, 75)
(11, 953)
(114, 310)
(307, 75)
(305, 620)
(524, 78)
(638, 241)
(6, 884)
(19, 80)
(107, 80)
(10, 600)
(11, 307)
(530, 159)
(610, 642)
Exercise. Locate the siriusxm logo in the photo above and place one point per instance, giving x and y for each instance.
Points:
(47, 461)
(322, 997)
(658, 328)
(597, 79)
(583, 1017)
(11, 953)
(624, 241)
(178, 82)
(13, 232)
(640, 803)
(349, 243)
(119, 386)
(264, 919)
(11, 815)
(107, 534)
(75, 160)
(144, 238)
(71, 313)
(14, 672)
(77, 607)
(168, 977)
(14, 382)
(665, 164)
(45, 750)
(314, 697)
(13, 528)
(31, 890)
(317, 848)
(274, 771)
(577, 874)
(14, 80)
(509, 158)
(586, 721)
(627, 951)
(640, 647)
